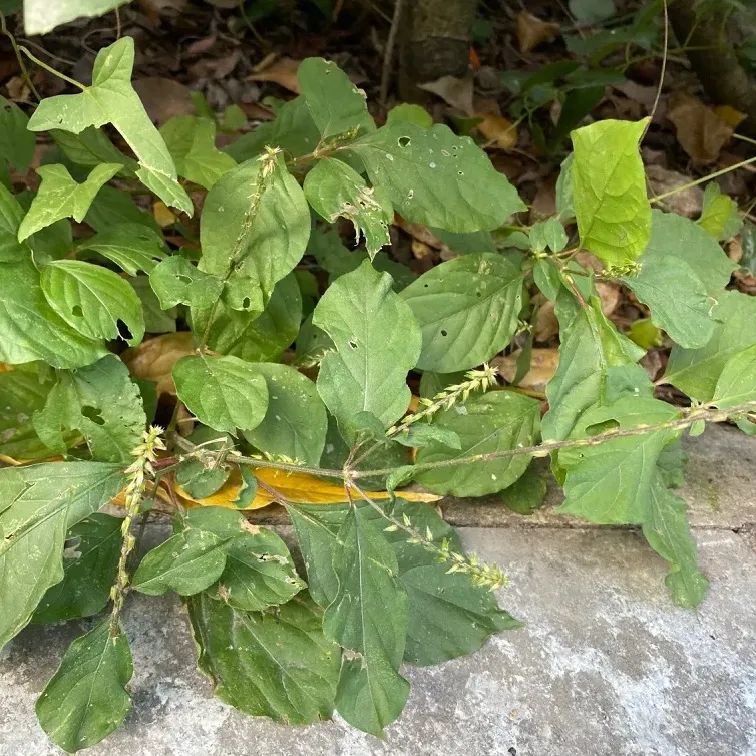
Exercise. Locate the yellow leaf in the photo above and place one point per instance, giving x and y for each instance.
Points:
(301, 488)
(162, 215)
(499, 132)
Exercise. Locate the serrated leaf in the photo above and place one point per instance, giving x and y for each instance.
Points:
(497, 421)
(191, 142)
(131, 246)
(335, 189)
(590, 349)
(60, 196)
(335, 104)
(16, 142)
(254, 229)
(696, 371)
(249, 335)
(102, 403)
(176, 281)
(377, 342)
(371, 692)
(24, 391)
(434, 177)
(38, 505)
(86, 698)
(296, 422)
(112, 99)
(280, 666)
(609, 190)
(32, 330)
(737, 381)
(92, 299)
(224, 393)
(467, 309)
(90, 561)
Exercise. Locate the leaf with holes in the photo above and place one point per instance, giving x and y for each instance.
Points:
(176, 281)
(225, 393)
(111, 99)
(467, 309)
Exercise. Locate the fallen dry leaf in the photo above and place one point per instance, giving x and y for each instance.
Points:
(687, 202)
(498, 131)
(300, 488)
(610, 296)
(282, 71)
(531, 31)
(546, 325)
(700, 131)
(153, 359)
(730, 116)
(543, 364)
(163, 98)
(455, 91)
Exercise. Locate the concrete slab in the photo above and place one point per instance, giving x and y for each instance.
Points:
(605, 665)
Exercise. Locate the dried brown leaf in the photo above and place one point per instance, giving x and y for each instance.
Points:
(531, 31)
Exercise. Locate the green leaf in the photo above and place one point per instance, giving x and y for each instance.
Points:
(696, 371)
(419, 435)
(249, 335)
(591, 349)
(38, 505)
(200, 481)
(592, 11)
(112, 206)
(259, 572)
(40, 17)
(548, 234)
(498, 421)
(737, 382)
(609, 190)
(11, 215)
(371, 691)
(377, 342)
(719, 217)
(467, 309)
(86, 698)
(60, 196)
(434, 177)
(92, 299)
(296, 422)
(527, 493)
(112, 99)
(131, 246)
(406, 112)
(334, 189)
(277, 665)
(596, 485)
(155, 319)
(194, 557)
(191, 142)
(92, 147)
(335, 104)
(102, 403)
(254, 229)
(24, 391)
(176, 281)
(667, 532)
(224, 393)
(16, 143)
(32, 330)
(90, 562)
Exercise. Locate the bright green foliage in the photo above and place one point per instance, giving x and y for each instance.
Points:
(176, 281)
(225, 393)
(548, 234)
(467, 309)
(112, 99)
(16, 143)
(131, 246)
(334, 189)
(609, 190)
(191, 142)
(86, 698)
(89, 568)
(102, 403)
(377, 342)
(92, 300)
(60, 196)
(371, 691)
(296, 421)
(335, 104)
(39, 505)
(434, 177)
(484, 424)
(255, 226)
(277, 665)
(719, 217)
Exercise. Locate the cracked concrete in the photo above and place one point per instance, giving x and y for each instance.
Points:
(605, 665)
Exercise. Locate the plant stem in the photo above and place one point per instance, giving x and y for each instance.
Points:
(50, 69)
(701, 180)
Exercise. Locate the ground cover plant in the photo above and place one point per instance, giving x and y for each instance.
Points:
(329, 400)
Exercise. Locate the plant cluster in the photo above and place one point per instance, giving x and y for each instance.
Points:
(383, 579)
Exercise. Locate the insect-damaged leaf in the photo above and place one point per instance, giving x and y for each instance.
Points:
(112, 99)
